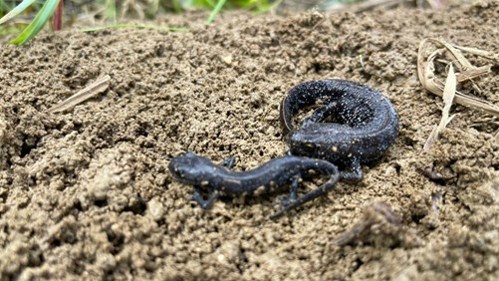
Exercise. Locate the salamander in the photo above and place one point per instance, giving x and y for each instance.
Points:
(355, 124)
(217, 180)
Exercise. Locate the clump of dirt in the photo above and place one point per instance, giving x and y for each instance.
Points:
(86, 194)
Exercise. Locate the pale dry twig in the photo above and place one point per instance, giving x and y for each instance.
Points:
(448, 96)
(88, 92)
(427, 77)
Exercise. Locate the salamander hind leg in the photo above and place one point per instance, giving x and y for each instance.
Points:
(321, 190)
(293, 191)
(354, 173)
(204, 203)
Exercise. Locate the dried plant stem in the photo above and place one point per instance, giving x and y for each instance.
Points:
(426, 74)
(466, 72)
(448, 96)
(88, 92)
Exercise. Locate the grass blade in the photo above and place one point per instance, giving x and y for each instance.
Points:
(215, 10)
(38, 22)
(137, 26)
(111, 10)
(17, 10)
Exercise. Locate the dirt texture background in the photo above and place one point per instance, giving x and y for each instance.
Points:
(86, 194)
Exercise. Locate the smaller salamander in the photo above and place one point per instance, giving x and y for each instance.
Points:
(217, 180)
(355, 126)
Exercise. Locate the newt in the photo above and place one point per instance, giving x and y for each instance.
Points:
(218, 180)
(355, 125)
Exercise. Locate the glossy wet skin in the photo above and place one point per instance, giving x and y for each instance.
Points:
(355, 125)
(206, 176)
(192, 169)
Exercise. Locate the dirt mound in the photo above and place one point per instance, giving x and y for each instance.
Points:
(86, 194)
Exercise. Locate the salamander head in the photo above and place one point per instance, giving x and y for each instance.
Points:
(190, 168)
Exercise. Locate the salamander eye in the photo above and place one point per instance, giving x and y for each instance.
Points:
(181, 172)
(177, 170)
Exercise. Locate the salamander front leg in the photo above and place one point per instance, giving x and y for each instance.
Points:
(204, 203)
(229, 163)
(320, 114)
(321, 190)
(354, 174)
(293, 192)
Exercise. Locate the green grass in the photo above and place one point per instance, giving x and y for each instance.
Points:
(109, 11)
(136, 26)
(216, 10)
(38, 22)
(255, 5)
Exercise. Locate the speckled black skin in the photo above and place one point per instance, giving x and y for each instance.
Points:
(217, 180)
(355, 125)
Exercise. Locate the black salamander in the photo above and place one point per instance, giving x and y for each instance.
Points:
(354, 126)
(217, 180)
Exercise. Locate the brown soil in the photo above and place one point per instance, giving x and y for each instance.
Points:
(86, 194)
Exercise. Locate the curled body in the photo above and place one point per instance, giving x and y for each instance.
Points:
(217, 180)
(354, 126)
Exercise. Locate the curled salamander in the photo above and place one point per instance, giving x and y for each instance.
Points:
(354, 126)
(217, 180)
